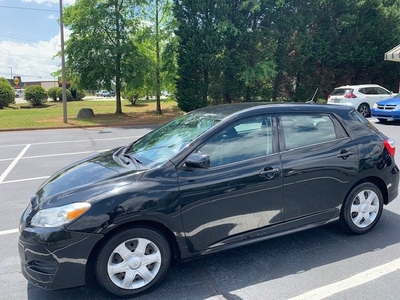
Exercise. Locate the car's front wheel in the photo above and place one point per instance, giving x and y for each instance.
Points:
(364, 110)
(362, 208)
(132, 261)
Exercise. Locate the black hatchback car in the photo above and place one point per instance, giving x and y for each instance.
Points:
(212, 179)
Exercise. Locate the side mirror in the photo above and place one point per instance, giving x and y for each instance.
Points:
(197, 160)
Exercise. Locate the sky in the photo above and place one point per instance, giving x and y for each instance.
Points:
(30, 38)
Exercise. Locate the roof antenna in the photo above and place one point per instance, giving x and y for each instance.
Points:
(313, 97)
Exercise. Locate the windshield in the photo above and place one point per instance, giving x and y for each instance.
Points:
(161, 144)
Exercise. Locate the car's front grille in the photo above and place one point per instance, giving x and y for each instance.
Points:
(386, 107)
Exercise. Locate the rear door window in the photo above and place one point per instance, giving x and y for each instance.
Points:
(301, 130)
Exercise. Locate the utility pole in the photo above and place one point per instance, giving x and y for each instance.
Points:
(64, 80)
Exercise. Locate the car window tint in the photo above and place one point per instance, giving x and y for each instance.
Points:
(245, 139)
(341, 92)
(357, 125)
(382, 91)
(304, 130)
(370, 91)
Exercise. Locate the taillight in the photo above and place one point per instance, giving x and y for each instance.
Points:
(351, 95)
(329, 96)
(390, 146)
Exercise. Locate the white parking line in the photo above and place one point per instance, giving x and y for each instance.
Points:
(51, 155)
(12, 165)
(25, 179)
(351, 282)
(75, 141)
(4, 232)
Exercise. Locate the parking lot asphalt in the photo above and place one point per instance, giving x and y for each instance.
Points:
(321, 263)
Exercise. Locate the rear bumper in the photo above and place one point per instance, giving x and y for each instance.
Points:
(393, 188)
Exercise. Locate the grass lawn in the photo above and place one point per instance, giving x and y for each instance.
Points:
(17, 116)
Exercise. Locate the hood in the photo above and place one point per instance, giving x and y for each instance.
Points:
(85, 179)
(390, 101)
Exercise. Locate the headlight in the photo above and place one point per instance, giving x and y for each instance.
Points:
(58, 216)
(375, 105)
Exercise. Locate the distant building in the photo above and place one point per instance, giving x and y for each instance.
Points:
(23, 84)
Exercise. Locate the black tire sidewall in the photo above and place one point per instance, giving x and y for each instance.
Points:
(345, 215)
(368, 109)
(111, 243)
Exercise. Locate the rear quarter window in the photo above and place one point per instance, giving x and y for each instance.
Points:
(357, 125)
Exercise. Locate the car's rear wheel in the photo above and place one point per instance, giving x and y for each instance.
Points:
(132, 261)
(364, 110)
(362, 208)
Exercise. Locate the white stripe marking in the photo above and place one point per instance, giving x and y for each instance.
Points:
(58, 154)
(4, 232)
(76, 141)
(351, 282)
(12, 165)
(26, 179)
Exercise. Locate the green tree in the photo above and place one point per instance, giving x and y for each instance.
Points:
(156, 44)
(7, 94)
(36, 95)
(100, 50)
(223, 53)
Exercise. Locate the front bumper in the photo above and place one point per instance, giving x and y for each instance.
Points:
(55, 258)
(390, 115)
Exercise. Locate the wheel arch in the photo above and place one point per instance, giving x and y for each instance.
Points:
(364, 103)
(375, 180)
(165, 231)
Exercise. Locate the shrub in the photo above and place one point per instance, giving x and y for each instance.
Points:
(7, 94)
(80, 95)
(68, 93)
(132, 96)
(52, 93)
(36, 95)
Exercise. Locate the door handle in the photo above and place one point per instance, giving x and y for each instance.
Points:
(269, 172)
(344, 154)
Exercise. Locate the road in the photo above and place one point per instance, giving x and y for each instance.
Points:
(321, 263)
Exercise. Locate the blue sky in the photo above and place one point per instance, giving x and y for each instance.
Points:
(30, 38)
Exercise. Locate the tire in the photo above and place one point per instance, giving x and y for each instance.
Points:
(364, 110)
(132, 261)
(362, 208)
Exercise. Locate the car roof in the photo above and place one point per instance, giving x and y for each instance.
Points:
(358, 85)
(223, 111)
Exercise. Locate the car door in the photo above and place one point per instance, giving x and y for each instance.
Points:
(319, 163)
(240, 192)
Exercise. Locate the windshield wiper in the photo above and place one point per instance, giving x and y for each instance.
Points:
(125, 154)
(131, 157)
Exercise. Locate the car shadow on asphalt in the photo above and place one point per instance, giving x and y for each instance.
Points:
(224, 272)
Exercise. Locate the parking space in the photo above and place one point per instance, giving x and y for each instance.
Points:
(322, 261)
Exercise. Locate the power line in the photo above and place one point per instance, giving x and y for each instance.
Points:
(12, 37)
(26, 8)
